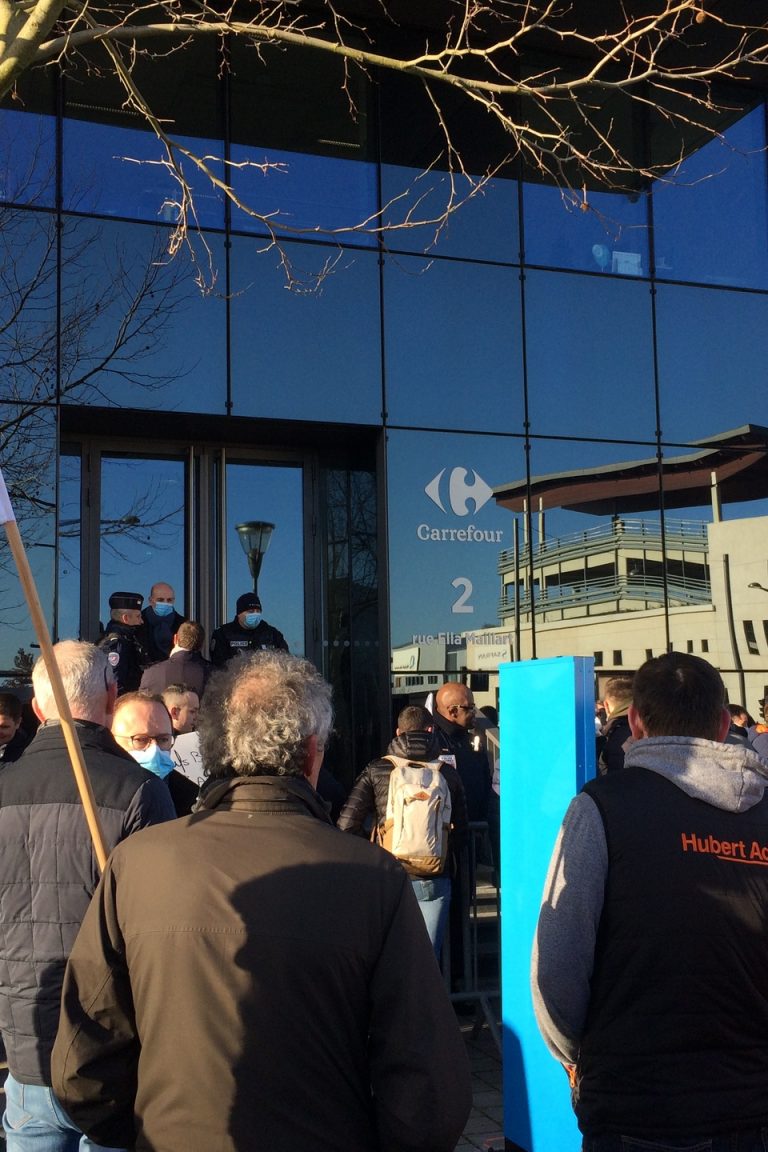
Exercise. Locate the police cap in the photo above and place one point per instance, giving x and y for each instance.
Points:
(126, 600)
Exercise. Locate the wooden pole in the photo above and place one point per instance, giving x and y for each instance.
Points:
(46, 647)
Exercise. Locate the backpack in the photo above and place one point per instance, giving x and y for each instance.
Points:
(418, 817)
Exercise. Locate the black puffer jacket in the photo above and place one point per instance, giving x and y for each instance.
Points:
(368, 798)
(49, 873)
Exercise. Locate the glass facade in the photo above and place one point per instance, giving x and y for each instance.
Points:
(370, 416)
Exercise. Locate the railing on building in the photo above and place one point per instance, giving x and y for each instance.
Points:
(645, 590)
(679, 535)
(623, 590)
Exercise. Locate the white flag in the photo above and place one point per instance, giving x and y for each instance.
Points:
(6, 512)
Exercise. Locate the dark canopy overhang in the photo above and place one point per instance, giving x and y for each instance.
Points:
(739, 460)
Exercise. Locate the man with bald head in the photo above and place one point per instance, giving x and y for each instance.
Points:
(161, 621)
(454, 719)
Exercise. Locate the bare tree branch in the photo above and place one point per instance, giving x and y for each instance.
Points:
(532, 67)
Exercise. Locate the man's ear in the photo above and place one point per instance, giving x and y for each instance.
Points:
(725, 724)
(111, 700)
(636, 726)
(37, 710)
(313, 758)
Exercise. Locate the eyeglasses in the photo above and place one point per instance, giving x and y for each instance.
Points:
(142, 742)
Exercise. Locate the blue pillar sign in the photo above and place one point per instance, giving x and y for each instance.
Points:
(538, 780)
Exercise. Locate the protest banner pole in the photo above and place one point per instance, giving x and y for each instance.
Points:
(8, 520)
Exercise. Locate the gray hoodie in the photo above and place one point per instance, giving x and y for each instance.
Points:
(727, 776)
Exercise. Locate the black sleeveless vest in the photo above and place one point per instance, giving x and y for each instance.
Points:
(676, 1037)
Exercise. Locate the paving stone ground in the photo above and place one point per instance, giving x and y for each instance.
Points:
(485, 1127)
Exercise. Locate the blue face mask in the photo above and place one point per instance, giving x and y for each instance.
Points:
(162, 609)
(155, 760)
(252, 619)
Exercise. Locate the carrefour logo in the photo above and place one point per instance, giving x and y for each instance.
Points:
(460, 492)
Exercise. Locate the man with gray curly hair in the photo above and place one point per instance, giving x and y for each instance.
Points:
(252, 978)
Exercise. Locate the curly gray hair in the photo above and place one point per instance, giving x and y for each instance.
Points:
(259, 711)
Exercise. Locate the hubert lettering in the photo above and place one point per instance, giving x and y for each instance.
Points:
(734, 851)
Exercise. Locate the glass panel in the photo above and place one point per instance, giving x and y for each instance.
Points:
(484, 228)
(590, 348)
(352, 612)
(302, 112)
(112, 163)
(141, 526)
(713, 348)
(68, 604)
(137, 331)
(28, 462)
(453, 347)
(123, 172)
(445, 538)
(302, 194)
(28, 149)
(711, 224)
(305, 356)
(612, 236)
(274, 494)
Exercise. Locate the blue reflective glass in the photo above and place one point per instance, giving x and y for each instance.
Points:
(28, 150)
(124, 172)
(710, 220)
(445, 538)
(28, 462)
(590, 356)
(137, 330)
(453, 347)
(713, 349)
(141, 526)
(300, 194)
(484, 225)
(611, 235)
(305, 355)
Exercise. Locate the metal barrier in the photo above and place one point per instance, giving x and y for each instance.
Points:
(472, 916)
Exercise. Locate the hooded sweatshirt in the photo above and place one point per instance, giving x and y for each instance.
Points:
(726, 776)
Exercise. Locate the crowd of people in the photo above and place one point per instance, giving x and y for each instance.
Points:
(243, 975)
(247, 975)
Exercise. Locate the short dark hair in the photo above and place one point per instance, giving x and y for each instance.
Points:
(10, 705)
(679, 695)
(618, 688)
(414, 718)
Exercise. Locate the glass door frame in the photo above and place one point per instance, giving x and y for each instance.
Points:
(205, 526)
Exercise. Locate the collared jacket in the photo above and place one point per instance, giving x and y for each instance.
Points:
(49, 873)
(232, 639)
(249, 978)
(126, 652)
(159, 632)
(472, 765)
(182, 667)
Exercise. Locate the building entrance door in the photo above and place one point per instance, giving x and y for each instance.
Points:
(129, 519)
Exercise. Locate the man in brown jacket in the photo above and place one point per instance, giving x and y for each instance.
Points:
(251, 978)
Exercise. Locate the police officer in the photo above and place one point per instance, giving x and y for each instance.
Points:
(123, 640)
(248, 632)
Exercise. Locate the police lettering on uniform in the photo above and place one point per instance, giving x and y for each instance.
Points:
(123, 640)
(248, 632)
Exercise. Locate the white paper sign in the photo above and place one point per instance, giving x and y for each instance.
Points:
(186, 753)
(6, 511)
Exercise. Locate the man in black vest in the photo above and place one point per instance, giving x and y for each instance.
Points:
(650, 978)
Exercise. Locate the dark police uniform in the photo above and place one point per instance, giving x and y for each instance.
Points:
(232, 638)
(124, 644)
